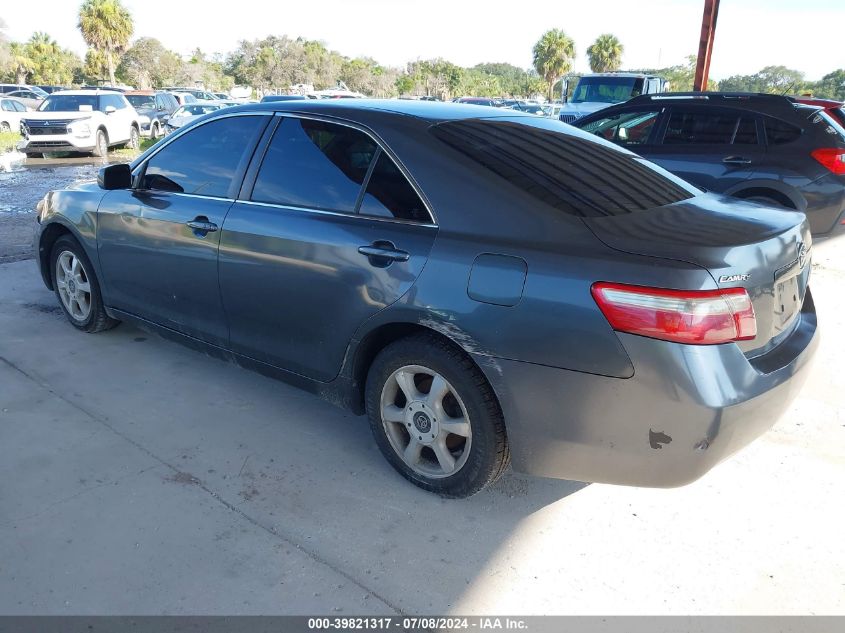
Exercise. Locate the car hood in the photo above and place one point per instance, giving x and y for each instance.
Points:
(584, 108)
(57, 116)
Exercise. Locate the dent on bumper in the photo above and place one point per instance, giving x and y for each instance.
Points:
(685, 409)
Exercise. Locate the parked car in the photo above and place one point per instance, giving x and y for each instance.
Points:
(11, 112)
(836, 109)
(485, 101)
(597, 91)
(270, 98)
(522, 106)
(183, 98)
(197, 93)
(52, 89)
(28, 96)
(486, 286)
(80, 121)
(154, 110)
(7, 88)
(192, 111)
(763, 148)
(221, 95)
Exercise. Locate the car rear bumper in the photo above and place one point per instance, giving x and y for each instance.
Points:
(686, 408)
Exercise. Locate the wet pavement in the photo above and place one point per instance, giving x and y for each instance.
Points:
(25, 185)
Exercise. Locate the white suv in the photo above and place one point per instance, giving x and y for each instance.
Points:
(80, 121)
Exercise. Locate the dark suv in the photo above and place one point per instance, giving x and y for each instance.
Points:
(765, 148)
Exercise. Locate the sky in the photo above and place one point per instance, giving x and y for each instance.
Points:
(807, 35)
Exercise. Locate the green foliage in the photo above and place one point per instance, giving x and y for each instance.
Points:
(106, 26)
(772, 79)
(553, 56)
(8, 141)
(681, 78)
(49, 63)
(605, 54)
(148, 64)
(96, 67)
(831, 86)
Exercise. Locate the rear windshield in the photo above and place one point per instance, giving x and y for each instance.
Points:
(565, 169)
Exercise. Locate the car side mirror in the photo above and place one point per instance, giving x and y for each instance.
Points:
(115, 177)
(110, 109)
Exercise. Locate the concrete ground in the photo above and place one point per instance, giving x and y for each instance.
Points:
(139, 477)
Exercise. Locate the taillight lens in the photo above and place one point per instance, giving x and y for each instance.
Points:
(832, 158)
(696, 317)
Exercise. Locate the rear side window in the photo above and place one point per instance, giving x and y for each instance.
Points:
(779, 132)
(571, 173)
(206, 160)
(687, 127)
(314, 164)
(625, 128)
(389, 194)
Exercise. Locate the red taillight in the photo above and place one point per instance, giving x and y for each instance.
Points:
(696, 317)
(832, 158)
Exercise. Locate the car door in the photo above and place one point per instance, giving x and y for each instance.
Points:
(118, 117)
(158, 241)
(328, 232)
(9, 115)
(162, 109)
(713, 148)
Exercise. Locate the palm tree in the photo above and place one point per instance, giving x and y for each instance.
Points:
(553, 55)
(106, 26)
(21, 63)
(605, 53)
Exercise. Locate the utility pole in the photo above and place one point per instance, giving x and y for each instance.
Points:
(705, 44)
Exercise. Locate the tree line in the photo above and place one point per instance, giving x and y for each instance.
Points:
(277, 62)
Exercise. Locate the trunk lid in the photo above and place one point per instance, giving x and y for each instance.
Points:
(741, 244)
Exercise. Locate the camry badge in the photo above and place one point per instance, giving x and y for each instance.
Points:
(729, 278)
(802, 255)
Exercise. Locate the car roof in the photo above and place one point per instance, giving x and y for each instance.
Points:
(145, 93)
(432, 111)
(82, 93)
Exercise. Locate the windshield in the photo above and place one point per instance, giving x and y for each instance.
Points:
(607, 89)
(142, 101)
(69, 103)
(195, 109)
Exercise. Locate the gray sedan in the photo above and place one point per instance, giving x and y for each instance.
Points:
(489, 287)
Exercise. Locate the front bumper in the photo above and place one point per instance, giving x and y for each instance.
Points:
(686, 408)
(56, 143)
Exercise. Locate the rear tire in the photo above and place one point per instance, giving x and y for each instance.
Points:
(76, 287)
(448, 436)
(5, 127)
(154, 131)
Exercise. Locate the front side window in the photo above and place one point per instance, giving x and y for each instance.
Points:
(687, 127)
(626, 128)
(18, 106)
(8, 106)
(314, 164)
(206, 160)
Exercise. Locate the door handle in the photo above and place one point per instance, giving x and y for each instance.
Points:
(201, 225)
(383, 253)
(736, 160)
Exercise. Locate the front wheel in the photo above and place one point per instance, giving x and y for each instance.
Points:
(435, 417)
(134, 138)
(77, 288)
(154, 131)
(101, 144)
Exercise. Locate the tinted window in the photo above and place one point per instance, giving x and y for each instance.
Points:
(709, 128)
(778, 132)
(627, 128)
(564, 170)
(389, 194)
(206, 159)
(19, 106)
(141, 101)
(314, 164)
(8, 106)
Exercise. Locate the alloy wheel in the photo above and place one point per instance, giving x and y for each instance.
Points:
(426, 421)
(73, 285)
